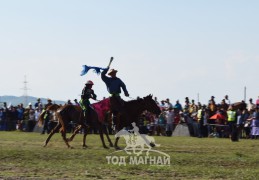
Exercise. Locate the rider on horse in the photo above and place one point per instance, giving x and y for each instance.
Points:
(114, 85)
(87, 93)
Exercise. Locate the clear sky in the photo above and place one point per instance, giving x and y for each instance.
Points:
(170, 48)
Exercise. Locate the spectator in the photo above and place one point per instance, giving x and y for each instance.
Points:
(155, 99)
(255, 124)
(169, 121)
(161, 124)
(69, 102)
(31, 120)
(37, 103)
(193, 108)
(20, 116)
(37, 113)
(76, 102)
(162, 105)
(212, 106)
(257, 102)
(46, 118)
(224, 105)
(227, 100)
(1, 119)
(187, 103)
(232, 118)
(243, 120)
(168, 104)
(250, 105)
(12, 118)
(178, 106)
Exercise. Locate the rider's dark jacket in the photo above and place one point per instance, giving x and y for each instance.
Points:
(87, 93)
(113, 84)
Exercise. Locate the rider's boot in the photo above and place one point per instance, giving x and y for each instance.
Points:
(85, 118)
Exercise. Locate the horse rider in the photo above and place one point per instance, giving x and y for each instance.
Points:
(114, 86)
(87, 93)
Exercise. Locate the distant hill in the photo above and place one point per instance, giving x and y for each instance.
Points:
(14, 100)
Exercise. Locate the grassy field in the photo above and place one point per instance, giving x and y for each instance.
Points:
(23, 157)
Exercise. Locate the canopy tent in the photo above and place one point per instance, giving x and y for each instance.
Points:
(181, 130)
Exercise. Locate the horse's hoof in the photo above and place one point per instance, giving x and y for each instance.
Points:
(152, 144)
(105, 147)
(85, 146)
(117, 148)
(70, 147)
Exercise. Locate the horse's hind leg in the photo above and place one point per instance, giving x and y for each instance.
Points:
(74, 133)
(108, 137)
(53, 131)
(101, 136)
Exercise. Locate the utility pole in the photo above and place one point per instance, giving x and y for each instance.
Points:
(25, 89)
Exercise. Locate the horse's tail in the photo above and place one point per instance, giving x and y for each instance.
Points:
(41, 118)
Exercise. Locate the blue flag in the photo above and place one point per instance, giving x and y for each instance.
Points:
(86, 68)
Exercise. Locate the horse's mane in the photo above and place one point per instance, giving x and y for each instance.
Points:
(134, 101)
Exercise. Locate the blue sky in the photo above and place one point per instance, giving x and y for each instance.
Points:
(171, 49)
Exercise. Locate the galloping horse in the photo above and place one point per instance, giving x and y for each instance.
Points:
(132, 111)
(69, 113)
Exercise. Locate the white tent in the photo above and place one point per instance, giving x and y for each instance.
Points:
(181, 130)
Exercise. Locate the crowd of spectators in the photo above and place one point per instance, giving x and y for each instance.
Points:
(198, 118)
(224, 119)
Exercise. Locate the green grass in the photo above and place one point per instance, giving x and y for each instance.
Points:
(23, 157)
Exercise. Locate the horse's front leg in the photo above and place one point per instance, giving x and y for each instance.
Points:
(101, 136)
(53, 131)
(108, 137)
(63, 133)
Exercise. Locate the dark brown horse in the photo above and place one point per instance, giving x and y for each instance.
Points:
(131, 112)
(69, 113)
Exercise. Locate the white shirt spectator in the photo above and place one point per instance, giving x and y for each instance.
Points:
(170, 116)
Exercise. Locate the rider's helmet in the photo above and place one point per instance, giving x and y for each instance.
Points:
(89, 82)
